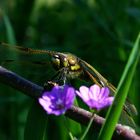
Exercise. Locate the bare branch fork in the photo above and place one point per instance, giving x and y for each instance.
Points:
(80, 115)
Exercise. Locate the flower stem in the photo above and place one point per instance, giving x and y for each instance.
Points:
(88, 127)
(70, 134)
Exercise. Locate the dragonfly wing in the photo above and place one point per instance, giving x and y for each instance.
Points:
(96, 76)
(126, 119)
(130, 108)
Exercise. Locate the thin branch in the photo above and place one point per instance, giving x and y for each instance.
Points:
(78, 114)
(13, 80)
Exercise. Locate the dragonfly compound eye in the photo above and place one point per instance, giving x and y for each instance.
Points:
(72, 61)
(56, 61)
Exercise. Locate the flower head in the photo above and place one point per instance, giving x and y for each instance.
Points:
(58, 100)
(95, 97)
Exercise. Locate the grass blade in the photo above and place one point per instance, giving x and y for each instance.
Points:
(9, 30)
(122, 90)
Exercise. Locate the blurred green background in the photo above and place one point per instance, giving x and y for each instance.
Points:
(99, 31)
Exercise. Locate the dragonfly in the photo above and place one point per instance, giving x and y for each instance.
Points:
(69, 66)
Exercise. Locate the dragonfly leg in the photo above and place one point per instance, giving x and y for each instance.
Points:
(59, 78)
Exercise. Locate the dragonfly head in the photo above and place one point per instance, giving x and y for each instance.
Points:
(61, 60)
(68, 61)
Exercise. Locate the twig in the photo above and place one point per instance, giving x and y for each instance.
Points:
(78, 114)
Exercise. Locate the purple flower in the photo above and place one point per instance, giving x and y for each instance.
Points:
(95, 97)
(58, 100)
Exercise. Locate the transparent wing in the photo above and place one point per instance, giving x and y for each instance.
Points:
(96, 76)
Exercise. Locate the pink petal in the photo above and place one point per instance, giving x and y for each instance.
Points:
(45, 105)
(70, 97)
(95, 91)
(58, 112)
(109, 100)
(70, 93)
(83, 93)
(91, 103)
(104, 92)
